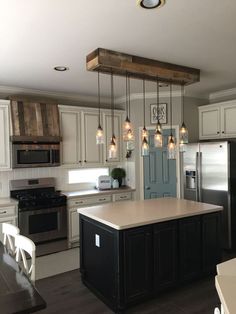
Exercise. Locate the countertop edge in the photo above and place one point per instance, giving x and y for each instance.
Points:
(158, 220)
(88, 193)
(223, 295)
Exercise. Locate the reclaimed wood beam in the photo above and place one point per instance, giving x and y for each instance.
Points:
(107, 61)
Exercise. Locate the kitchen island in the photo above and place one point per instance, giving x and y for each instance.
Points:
(132, 251)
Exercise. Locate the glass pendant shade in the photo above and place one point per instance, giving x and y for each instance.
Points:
(127, 124)
(99, 135)
(144, 134)
(171, 148)
(158, 139)
(183, 134)
(145, 147)
(112, 153)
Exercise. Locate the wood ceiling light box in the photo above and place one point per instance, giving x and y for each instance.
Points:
(107, 61)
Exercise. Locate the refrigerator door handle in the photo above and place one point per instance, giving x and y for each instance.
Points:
(200, 177)
(197, 174)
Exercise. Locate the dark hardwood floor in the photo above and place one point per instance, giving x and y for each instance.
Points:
(66, 294)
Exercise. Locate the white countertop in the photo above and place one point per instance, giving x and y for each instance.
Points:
(92, 192)
(129, 214)
(226, 287)
(227, 268)
(7, 201)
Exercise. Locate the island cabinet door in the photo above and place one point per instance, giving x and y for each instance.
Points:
(98, 259)
(137, 263)
(165, 255)
(211, 242)
(190, 248)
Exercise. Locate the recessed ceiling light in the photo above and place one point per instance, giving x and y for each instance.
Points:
(151, 4)
(61, 68)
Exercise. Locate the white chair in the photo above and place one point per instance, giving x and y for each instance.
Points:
(10, 232)
(24, 244)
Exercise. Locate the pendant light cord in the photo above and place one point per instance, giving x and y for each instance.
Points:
(158, 101)
(99, 101)
(127, 113)
(144, 102)
(171, 109)
(129, 97)
(182, 92)
(112, 104)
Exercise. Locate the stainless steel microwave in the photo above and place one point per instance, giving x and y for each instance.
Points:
(35, 155)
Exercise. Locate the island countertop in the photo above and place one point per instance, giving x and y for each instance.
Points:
(130, 214)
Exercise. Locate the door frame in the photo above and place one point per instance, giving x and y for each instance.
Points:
(141, 171)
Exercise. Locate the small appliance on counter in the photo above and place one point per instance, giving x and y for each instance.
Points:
(104, 183)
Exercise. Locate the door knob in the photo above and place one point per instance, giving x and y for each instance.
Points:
(147, 188)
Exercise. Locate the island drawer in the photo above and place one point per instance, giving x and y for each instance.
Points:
(122, 196)
(89, 201)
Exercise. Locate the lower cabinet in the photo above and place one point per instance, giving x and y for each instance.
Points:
(165, 255)
(136, 264)
(190, 246)
(8, 215)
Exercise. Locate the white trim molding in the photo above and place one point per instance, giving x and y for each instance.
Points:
(222, 94)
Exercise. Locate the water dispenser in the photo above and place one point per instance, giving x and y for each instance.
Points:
(190, 177)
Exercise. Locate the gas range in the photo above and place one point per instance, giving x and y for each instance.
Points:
(41, 198)
(42, 214)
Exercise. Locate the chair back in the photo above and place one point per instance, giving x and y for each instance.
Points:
(9, 233)
(24, 244)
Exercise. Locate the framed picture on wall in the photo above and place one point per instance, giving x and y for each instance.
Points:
(160, 112)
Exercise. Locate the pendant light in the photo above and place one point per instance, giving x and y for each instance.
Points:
(99, 133)
(145, 145)
(171, 147)
(158, 132)
(128, 134)
(112, 153)
(183, 132)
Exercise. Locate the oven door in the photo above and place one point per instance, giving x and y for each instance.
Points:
(35, 155)
(44, 225)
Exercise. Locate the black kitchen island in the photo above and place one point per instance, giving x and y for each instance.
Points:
(132, 251)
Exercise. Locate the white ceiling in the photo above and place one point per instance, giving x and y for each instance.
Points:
(37, 35)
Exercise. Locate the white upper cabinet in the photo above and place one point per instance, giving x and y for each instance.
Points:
(218, 120)
(4, 135)
(92, 151)
(78, 129)
(71, 137)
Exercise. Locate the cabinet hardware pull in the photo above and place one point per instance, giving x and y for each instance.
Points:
(80, 161)
(123, 196)
(218, 132)
(102, 199)
(4, 212)
(81, 202)
(223, 131)
(85, 160)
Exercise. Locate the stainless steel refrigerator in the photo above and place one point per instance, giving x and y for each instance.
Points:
(210, 177)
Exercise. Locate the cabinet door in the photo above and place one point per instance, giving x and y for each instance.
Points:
(165, 255)
(108, 132)
(209, 122)
(190, 248)
(71, 141)
(228, 117)
(92, 151)
(211, 242)
(4, 137)
(73, 226)
(138, 263)
(9, 220)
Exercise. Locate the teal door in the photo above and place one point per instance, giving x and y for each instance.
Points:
(159, 172)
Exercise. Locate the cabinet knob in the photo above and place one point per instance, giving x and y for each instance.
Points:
(218, 132)
(85, 160)
(106, 160)
(147, 188)
(80, 161)
(223, 131)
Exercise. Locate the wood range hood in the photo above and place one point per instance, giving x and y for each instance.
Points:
(107, 61)
(34, 122)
